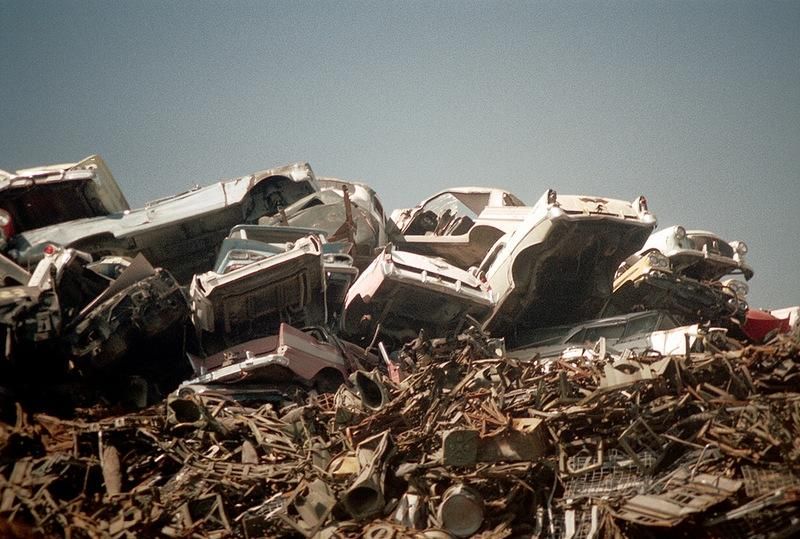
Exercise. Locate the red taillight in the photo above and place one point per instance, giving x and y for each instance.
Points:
(49, 249)
(6, 224)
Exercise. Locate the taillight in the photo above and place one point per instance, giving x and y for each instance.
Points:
(6, 224)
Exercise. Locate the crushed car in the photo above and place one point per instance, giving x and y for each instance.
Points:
(43, 196)
(651, 283)
(343, 211)
(402, 292)
(181, 233)
(266, 275)
(545, 264)
(135, 327)
(648, 332)
(71, 325)
(451, 209)
(277, 367)
(697, 254)
(557, 266)
(459, 224)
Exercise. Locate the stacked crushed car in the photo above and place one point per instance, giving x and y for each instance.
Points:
(273, 356)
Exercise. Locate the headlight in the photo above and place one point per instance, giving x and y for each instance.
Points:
(737, 287)
(5, 218)
(740, 247)
(657, 260)
(680, 233)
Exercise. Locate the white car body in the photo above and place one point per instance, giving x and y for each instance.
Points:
(557, 265)
(405, 292)
(251, 300)
(546, 264)
(181, 233)
(51, 194)
(699, 254)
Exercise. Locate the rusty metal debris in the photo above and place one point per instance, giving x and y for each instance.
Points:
(467, 443)
(395, 411)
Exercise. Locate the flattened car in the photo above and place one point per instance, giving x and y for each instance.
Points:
(266, 275)
(181, 233)
(401, 293)
(48, 195)
(271, 368)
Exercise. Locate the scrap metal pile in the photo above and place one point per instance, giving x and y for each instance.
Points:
(472, 443)
(272, 356)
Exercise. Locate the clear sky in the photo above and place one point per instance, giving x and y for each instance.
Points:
(694, 104)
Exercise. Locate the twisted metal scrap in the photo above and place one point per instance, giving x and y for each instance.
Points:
(207, 467)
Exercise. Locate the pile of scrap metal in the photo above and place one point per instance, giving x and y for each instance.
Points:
(469, 443)
(79, 319)
(304, 365)
(77, 331)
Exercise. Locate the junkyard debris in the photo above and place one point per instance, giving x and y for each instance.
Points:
(350, 378)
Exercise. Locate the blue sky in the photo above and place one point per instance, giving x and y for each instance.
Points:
(694, 104)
